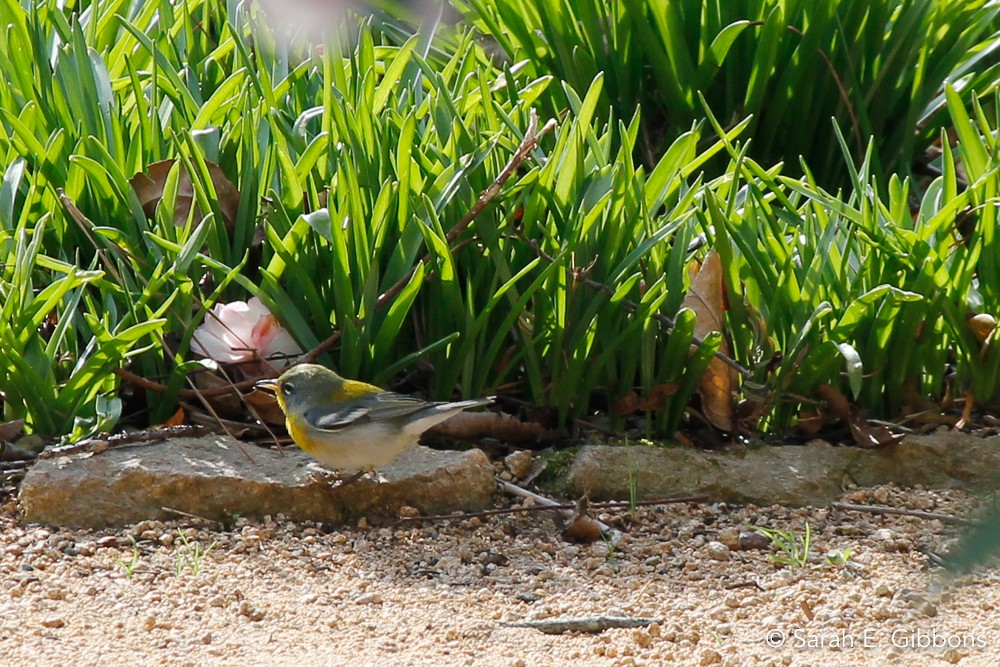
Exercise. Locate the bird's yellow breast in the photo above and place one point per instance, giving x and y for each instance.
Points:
(299, 429)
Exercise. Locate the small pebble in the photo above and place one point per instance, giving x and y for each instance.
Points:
(408, 512)
(250, 612)
(731, 538)
(710, 657)
(752, 540)
(519, 463)
(717, 551)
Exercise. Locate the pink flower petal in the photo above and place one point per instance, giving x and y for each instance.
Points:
(239, 331)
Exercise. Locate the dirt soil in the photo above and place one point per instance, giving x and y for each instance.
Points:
(275, 592)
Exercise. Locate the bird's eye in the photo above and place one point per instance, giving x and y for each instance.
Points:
(287, 389)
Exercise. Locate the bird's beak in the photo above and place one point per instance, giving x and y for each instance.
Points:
(268, 385)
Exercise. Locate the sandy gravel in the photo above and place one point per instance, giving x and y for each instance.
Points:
(279, 593)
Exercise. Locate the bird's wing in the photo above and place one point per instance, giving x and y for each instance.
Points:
(333, 417)
(385, 405)
(388, 405)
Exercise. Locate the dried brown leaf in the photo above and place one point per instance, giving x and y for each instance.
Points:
(625, 405)
(582, 527)
(657, 399)
(11, 430)
(865, 434)
(836, 401)
(982, 326)
(265, 405)
(226, 405)
(873, 436)
(811, 421)
(707, 298)
(176, 419)
(503, 427)
(149, 185)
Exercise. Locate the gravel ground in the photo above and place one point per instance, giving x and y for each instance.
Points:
(275, 592)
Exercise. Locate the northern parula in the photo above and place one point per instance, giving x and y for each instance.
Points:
(351, 425)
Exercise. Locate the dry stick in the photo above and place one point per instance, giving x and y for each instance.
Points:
(98, 445)
(532, 136)
(86, 225)
(920, 514)
(744, 584)
(607, 532)
(547, 508)
(844, 97)
(15, 466)
(633, 307)
(220, 421)
(189, 515)
(592, 624)
(150, 385)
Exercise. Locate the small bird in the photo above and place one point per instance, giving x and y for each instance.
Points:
(351, 425)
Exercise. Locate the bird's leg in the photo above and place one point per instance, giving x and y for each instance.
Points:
(358, 475)
(323, 476)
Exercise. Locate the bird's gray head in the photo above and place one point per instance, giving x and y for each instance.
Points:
(304, 385)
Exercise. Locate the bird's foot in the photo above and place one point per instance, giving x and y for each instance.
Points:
(334, 480)
(355, 477)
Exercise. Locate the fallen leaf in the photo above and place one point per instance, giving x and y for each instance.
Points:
(836, 401)
(148, 186)
(176, 419)
(873, 436)
(625, 405)
(811, 421)
(581, 527)
(9, 452)
(226, 405)
(10, 430)
(865, 434)
(657, 399)
(499, 426)
(707, 298)
(265, 406)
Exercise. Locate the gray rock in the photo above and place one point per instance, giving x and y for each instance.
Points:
(752, 540)
(717, 551)
(790, 475)
(216, 477)
(519, 463)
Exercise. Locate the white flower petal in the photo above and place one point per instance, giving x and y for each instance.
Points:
(207, 344)
(282, 345)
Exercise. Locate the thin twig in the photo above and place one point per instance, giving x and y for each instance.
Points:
(592, 624)
(98, 445)
(845, 98)
(633, 307)
(610, 534)
(212, 392)
(531, 138)
(189, 515)
(920, 514)
(532, 135)
(15, 467)
(744, 584)
(218, 419)
(615, 504)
